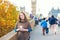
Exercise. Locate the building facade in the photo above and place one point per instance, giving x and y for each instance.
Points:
(54, 12)
(33, 2)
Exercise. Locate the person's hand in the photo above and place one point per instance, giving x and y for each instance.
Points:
(23, 29)
(17, 29)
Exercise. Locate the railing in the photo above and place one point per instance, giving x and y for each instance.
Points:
(12, 35)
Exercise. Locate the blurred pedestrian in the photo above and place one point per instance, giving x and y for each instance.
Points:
(44, 25)
(48, 26)
(53, 23)
(36, 21)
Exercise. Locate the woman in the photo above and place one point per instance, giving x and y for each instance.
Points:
(23, 27)
(53, 23)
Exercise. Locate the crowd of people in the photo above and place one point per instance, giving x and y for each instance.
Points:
(23, 27)
(49, 23)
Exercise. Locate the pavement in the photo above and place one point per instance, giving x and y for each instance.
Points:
(36, 34)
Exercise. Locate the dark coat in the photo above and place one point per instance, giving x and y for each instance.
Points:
(53, 21)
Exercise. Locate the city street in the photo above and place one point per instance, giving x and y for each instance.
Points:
(36, 34)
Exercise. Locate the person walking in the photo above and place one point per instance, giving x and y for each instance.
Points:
(48, 26)
(23, 27)
(36, 21)
(53, 23)
(44, 25)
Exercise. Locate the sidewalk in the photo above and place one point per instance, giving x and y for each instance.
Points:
(36, 34)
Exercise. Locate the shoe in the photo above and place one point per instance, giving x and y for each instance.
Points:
(44, 34)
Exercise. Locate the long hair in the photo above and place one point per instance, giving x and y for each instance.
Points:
(25, 18)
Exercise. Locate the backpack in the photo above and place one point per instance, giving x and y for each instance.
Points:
(44, 24)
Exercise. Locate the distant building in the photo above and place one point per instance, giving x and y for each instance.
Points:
(22, 9)
(54, 12)
(33, 5)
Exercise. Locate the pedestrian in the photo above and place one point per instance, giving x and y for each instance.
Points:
(44, 25)
(48, 26)
(36, 21)
(53, 23)
(23, 27)
(40, 19)
(49, 19)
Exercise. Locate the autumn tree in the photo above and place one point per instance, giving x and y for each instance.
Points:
(8, 17)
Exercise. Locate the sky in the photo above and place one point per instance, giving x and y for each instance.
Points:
(43, 6)
(22, 3)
